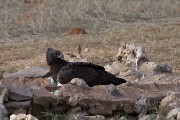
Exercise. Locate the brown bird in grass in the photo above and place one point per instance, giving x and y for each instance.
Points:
(63, 71)
(79, 49)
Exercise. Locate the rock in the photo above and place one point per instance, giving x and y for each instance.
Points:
(160, 79)
(128, 107)
(129, 52)
(99, 108)
(155, 68)
(121, 118)
(82, 113)
(122, 71)
(52, 87)
(173, 113)
(3, 112)
(160, 117)
(178, 116)
(148, 117)
(131, 75)
(30, 117)
(60, 109)
(3, 96)
(115, 68)
(5, 118)
(132, 64)
(97, 117)
(22, 117)
(19, 93)
(73, 111)
(36, 83)
(105, 99)
(57, 93)
(94, 100)
(79, 82)
(113, 90)
(110, 69)
(21, 111)
(32, 72)
(141, 105)
(170, 102)
(86, 50)
(44, 98)
(16, 107)
(73, 101)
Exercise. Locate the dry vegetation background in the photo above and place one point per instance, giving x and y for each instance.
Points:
(29, 27)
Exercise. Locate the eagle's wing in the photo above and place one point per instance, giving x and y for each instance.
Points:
(90, 73)
(87, 72)
(86, 64)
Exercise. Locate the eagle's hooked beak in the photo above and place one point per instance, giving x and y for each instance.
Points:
(60, 56)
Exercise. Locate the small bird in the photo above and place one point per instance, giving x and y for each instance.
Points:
(79, 49)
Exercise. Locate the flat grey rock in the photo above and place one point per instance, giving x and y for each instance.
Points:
(113, 90)
(18, 104)
(32, 72)
(19, 94)
(97, 117)
(154, 68)
(14, 106)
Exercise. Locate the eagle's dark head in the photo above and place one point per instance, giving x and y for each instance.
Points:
(53, 56)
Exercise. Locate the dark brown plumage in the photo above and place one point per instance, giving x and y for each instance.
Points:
(63, 71)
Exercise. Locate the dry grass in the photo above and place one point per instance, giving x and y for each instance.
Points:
(33, 28)
(56, 16)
